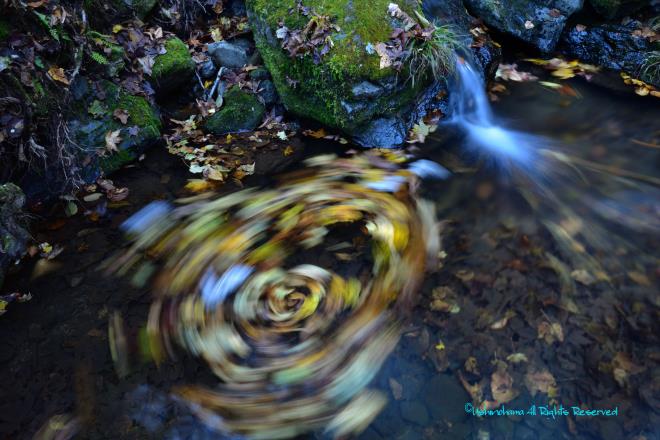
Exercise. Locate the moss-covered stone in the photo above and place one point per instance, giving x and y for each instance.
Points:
(324, 91)
(93, 119)
(173, 68)
(5, 30)
(616, 8)
(241, 111)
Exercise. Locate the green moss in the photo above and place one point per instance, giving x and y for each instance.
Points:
(173, 67)
(140, 114)
(5, 30)
(322, 91)
(241, 111)
(361, 23)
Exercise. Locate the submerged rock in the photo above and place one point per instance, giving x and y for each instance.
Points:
(174, 68)
(233, 54)
(13, 235)
(538, 22)
(241, 111)
(614, 47)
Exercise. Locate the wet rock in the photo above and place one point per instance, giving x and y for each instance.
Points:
(236, 7)
(232, 54)
(259, 74)
(415, 412)
(267, 92)
(612, 47)
(173, 69)
(539, 23)
(366, 89)
(445, 398)
(13, 235)
(93, 118)
(383, 132)
(208, 70)
(241, 111)
(616, 8)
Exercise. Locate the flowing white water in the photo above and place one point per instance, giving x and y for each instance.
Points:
(471, 112)
(558, 184)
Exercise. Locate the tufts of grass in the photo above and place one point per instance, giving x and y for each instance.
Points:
(435, 54)
(650, 71)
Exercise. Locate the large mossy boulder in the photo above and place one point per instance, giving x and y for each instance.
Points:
(616, 8)
(13, 235)
(535, 22)
(341, 84)
(100, 107)
(174, 68)
(241, 111)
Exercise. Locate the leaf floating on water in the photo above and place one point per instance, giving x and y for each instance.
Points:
(304, 341)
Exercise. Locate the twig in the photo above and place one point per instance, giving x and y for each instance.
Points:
(645, 144)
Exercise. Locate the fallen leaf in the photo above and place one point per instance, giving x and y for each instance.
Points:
(517, 358)
(57, 74)
(112, 138)
(121, 115)
(500, 324)
(397, 389)
(550, 332)
(501, 386)
(540, 381)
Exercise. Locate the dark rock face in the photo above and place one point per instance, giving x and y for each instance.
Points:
(616, 8)
(383, 131)
(267, 92)
(612, 47)
(539, 23)
(233, 54)
(207, 70)
(241, 111)
(13, 236)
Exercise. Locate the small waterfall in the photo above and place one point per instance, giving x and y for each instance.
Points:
(557, 183)
(471, 112)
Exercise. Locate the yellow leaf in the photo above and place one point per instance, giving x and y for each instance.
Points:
(198, 185)
(288, 151)
(57, 73)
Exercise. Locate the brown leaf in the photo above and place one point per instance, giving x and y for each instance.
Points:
(550, 332)
(501, 385)
(540, 381)
(121, 115)
(397, 389)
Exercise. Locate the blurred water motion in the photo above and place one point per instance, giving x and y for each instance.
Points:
(294, 296)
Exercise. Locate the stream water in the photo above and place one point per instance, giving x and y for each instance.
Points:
(553, 219)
